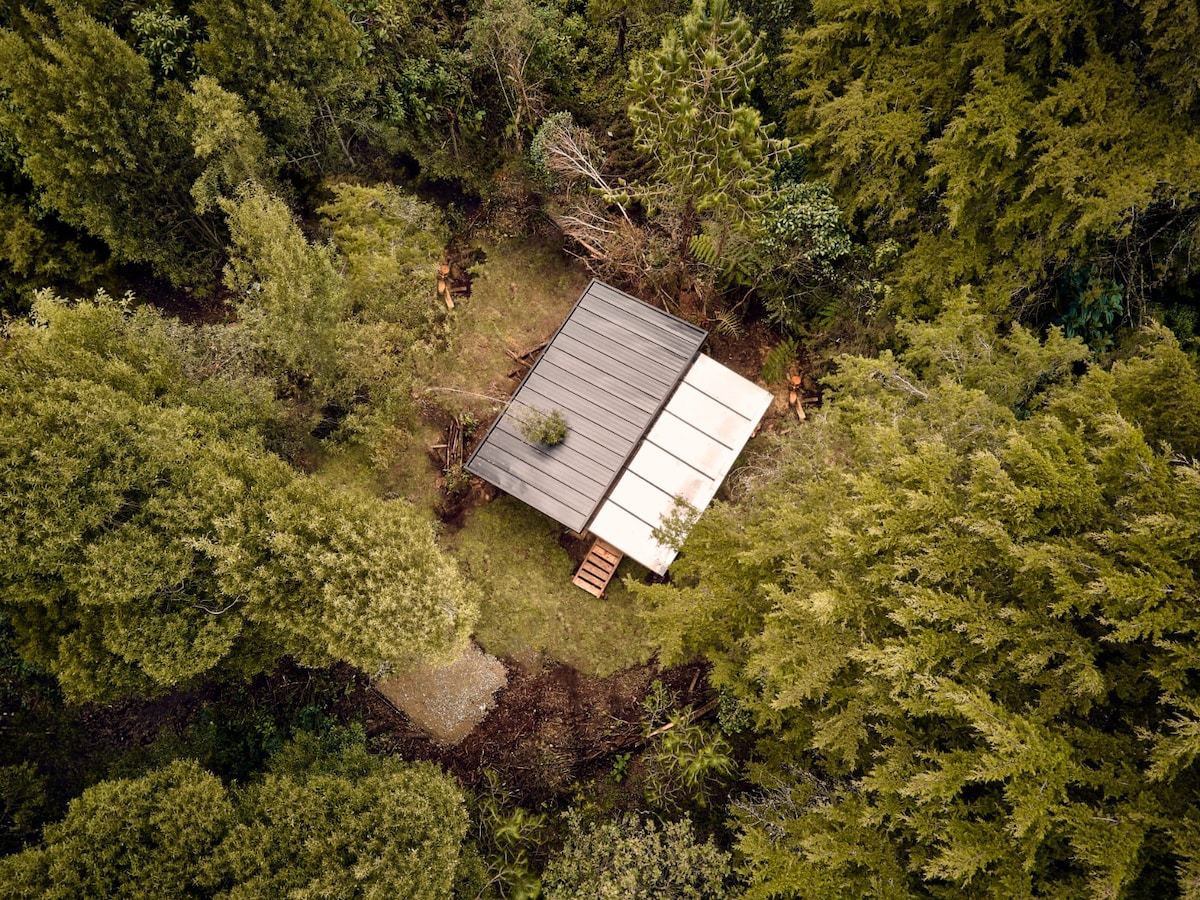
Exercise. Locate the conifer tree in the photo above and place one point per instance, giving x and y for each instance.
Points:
(689, 104)
(297, 66)
(962, 625)
(292, 296)
(100, 142)
(1007, 146)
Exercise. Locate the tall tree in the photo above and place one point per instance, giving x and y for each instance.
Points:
(368, 826)
(1009, 144)
(389, 245)
(292, 296)
(689, 104)
(960, 606)
(297, 65)
(345, 320)
(151, 540)
(346, 825)
(226, 137)
(523, 47)
(115, 164)
(142, 838)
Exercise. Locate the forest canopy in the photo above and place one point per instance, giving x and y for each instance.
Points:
(959, 607)
(266, 269)
(153, 538)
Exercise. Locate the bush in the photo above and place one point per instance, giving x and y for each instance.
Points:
(541, 427)
(634, 860)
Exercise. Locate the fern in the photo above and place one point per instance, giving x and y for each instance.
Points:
(777, 360)
(826, 314)
(728, 323)
(703, 249)
(736, 263)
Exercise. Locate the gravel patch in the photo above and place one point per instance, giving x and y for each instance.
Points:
(448, 702)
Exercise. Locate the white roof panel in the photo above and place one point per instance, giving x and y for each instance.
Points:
(688, 444)
(636, 539)
(670, 473)
(724, 385)
(687, 454)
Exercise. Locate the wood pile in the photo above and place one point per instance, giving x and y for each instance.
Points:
(449, 454)
(524, 360)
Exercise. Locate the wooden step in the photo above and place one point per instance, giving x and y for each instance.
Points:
(598, 568)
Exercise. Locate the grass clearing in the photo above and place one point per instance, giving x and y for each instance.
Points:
(529, 603)
(520, 294)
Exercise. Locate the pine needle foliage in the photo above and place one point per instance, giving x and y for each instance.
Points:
(966, 594)
(1001, 144)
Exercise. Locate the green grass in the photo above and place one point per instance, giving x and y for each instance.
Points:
(520, 294)
(529, 603)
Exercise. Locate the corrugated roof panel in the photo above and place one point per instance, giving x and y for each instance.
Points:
(621, 344)
(568, 394)
(588, 437)
(564, 463)
(710, 377)
(640, 497)
(575, 363)
(549, 478)
(671, 331)
(608, 370)
(721, 422)
(513, 484)
(686, 455)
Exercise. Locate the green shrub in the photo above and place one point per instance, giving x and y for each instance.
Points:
(631, 859)
(541, 427)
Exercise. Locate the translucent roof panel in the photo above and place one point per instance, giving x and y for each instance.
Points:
(686, 455)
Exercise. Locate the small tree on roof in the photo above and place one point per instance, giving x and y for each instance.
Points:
(541, 427)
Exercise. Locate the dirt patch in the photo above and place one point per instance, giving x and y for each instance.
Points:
(453, 510)
(551, 728)
(577, 548)
(744, 351)
(449, 701)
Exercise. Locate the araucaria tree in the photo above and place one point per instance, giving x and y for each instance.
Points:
(150, 539)
(966, 624)
(689, 102)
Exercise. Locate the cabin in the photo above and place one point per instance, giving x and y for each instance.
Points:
(653, 426)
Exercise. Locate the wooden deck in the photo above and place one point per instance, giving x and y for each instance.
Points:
(598, 568)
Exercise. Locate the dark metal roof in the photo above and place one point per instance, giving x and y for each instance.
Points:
(609, 370)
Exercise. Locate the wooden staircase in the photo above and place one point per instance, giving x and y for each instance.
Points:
(598, 568)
